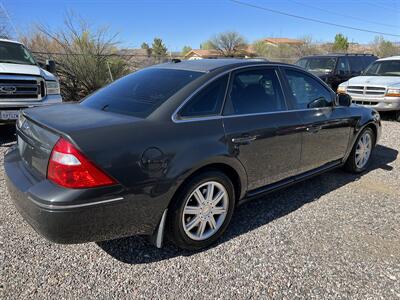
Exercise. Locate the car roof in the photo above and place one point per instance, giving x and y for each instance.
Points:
(10, 41)
(340, 55)
(389, 58)
(208, 65)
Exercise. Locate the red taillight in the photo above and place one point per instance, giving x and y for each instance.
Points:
(69, 168)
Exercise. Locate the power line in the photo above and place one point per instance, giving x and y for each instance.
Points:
(8, 18)
(387, 9)
(343, 15)
(311, 19)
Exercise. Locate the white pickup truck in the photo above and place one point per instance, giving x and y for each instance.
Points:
(378, 87)
(23, 83)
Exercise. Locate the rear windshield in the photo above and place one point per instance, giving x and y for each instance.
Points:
(140, 93)
(319, 64)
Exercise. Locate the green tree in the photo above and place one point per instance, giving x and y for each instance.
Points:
(147, 48)
(159, 50)
(229, 43)
(341, 43)
(385, 48)
(185, 50)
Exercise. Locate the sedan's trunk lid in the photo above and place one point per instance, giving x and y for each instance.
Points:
(40, 128)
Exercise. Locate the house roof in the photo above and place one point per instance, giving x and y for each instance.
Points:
(214, 53)
(203, 53)
(284, 41)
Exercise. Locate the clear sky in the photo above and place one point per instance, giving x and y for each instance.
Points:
(190, 22)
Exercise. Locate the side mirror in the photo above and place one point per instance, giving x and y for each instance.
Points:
(343, 100)
(319, 102)
(51, 66)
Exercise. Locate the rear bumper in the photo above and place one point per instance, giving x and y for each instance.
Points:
(379, 104)
(95, 219)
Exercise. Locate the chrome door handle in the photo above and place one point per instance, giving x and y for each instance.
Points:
(243, 140)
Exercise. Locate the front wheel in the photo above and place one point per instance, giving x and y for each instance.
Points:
(201, 211)
(397, 116)
(361, 153)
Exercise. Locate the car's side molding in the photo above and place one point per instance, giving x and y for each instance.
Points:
(289, 181)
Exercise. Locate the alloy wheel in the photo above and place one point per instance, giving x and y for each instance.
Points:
(205, 210)
(363, 150)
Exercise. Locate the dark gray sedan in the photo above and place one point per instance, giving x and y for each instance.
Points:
(174, 148)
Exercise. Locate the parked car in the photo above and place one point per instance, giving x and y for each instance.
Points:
(22, 82)
(175, 147)
(378, 87)
(336, 68)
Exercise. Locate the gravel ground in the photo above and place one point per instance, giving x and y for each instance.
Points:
(334, 236)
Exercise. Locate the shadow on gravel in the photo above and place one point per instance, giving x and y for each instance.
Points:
(7, 135)
(252, 214)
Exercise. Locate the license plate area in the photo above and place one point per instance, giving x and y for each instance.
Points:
(9, 115)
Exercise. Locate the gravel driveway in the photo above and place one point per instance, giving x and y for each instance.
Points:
(334, 236)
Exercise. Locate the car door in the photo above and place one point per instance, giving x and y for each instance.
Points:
(259, 129)
(326, 126)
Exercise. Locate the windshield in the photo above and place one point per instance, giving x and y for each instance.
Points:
(384, 68)
(318, 64)
(14, 53)
(140, 93)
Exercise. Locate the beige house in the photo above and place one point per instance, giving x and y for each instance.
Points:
(201, 54)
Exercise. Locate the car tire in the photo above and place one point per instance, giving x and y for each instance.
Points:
(194, 225)
(397, 116)
(360, 155)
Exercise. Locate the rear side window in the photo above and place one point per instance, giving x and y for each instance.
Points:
(368, 60)
(208, 102)
(301, 63)
(356, 64)
(255, 91)
(140, 93)
(307, 92)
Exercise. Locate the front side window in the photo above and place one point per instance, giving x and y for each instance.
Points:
(208, 102)
(14, 53)
(140, 93)
(307, 92)
(255, 91)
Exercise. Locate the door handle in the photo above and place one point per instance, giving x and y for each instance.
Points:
(243, 140)
(313, 129)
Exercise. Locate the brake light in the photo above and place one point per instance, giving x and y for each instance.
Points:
(69, 168)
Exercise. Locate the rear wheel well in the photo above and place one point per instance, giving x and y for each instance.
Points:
(227, 170)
